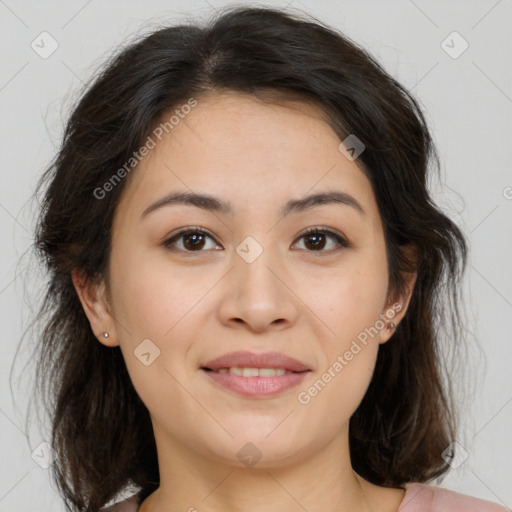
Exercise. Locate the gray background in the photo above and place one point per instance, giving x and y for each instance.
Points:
(468, 103)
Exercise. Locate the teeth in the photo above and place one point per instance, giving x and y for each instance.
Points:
(247, 372)
(271, 372)
(254, 372)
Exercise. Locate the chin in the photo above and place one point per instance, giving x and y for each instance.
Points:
(261, 451)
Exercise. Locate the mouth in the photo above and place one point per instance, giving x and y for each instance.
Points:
(246, 364)
(252, 372)
(254, 382)
(255, 375)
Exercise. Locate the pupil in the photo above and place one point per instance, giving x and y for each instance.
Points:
(198, 239)
(318, 242)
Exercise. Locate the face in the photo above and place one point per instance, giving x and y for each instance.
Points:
(248, 279)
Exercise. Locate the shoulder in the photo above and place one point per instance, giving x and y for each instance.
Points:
(426, 498)
(128, 505)
(127, 500)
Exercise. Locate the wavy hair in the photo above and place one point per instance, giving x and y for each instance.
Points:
(406, 418)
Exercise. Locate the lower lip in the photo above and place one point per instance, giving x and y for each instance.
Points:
(257, 386)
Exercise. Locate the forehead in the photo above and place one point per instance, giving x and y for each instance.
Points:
(249, 151)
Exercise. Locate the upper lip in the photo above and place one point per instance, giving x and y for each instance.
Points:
(244, 359)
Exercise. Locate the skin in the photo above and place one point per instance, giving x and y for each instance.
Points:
(195, 306)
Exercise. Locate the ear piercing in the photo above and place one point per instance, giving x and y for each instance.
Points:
(105, 334)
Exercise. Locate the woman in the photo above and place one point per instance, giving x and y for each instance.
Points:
(246, 293)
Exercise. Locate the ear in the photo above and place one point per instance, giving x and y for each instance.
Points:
(397, 306)
(94, 301)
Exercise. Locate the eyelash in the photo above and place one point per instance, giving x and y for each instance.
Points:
(168, 244)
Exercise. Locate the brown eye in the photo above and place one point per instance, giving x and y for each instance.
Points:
(192, 240)
(316, 239)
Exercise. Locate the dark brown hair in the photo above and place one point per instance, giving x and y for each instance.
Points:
(101, 430)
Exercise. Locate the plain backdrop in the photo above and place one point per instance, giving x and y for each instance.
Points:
(466, 94)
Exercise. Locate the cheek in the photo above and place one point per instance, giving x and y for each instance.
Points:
(351, 301)
(352, 312)
(152, 295)
(156, 302)
(335, 394)
(350, 305)
(163, 303)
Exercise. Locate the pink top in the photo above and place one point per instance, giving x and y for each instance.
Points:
(417, 498)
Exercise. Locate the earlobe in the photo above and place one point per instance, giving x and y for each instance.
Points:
(95, 305)
(387, 331)
(392, 316)
(395, 311)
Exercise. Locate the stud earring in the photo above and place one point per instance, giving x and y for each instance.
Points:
(105, 334)
(391, 326)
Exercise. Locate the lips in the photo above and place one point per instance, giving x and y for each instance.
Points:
(244, 359)
(256, 375)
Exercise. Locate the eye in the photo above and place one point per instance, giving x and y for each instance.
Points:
(192, 240)
(316, 239)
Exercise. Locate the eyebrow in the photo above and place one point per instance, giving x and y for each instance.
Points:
(213, 204)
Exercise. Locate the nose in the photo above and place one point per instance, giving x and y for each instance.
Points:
(258, 296)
